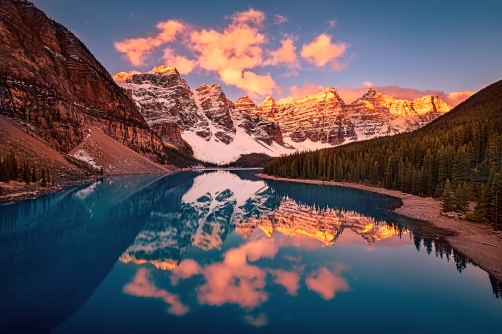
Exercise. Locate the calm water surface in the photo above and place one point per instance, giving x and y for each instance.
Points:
(227, 252)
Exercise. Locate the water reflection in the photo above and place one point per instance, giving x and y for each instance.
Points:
(193, 242)
(56, 250)
(238, 279)
(219, 203)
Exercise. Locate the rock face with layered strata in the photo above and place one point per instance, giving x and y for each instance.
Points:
(324, 119)
(51, 81)
(375, 114)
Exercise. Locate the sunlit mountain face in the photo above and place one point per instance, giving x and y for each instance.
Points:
(225, 251)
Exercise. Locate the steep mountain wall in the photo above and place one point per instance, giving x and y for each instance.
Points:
(51, 81)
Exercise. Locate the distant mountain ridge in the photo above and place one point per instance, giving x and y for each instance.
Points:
(219, 130)
(325, 118)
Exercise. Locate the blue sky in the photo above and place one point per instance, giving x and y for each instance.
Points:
(449, 46)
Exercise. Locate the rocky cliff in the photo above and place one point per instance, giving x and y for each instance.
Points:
(376, 115)
(51, 81)
(320, 117)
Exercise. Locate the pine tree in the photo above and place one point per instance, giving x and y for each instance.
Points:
(447, 197)
(33, 175)
(14, 167)
(44, 181)
(27, 173)
(496, 200)
(460, 198)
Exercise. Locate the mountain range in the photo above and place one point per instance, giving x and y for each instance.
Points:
(205, 123)
(63, 117)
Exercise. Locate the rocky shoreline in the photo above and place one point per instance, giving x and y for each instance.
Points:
(480, 243)
(19, 191)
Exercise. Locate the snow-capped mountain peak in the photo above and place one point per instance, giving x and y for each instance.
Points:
(203, 120)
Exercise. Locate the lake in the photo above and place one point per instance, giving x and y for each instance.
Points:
(224, 251)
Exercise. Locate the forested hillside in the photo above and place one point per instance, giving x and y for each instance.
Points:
(458, 157)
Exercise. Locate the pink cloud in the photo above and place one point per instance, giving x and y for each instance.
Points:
(250, 16)
(455, 98)
(136, 50)
(187, 268)
(279, 19)
(234, 280)
(181, 63)
(321, 52)
(235, 284)
(285, 54)
(326, 283)
(259, 321)
(141, 286)
(288, 279)
(233, 52)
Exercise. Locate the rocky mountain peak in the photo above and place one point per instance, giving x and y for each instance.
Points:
(269, 101)
(204, 117)
(244, 100)
(164, 69)
(209, 87)
(123, 76)
(245, 104)
(370, 93)
(167, 103)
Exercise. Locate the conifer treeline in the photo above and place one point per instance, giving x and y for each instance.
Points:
(12, 169)
(457, 157)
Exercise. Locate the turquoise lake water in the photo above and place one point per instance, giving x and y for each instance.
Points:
(226, 252)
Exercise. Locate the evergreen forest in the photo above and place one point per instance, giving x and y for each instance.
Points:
(13, 170)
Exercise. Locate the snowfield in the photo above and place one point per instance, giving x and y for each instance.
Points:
(220, 153)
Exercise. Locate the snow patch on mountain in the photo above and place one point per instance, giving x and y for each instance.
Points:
(218, 152)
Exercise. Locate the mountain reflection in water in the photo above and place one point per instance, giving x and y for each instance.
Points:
(219, 203)
(195, 244)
